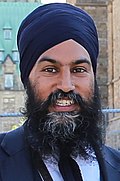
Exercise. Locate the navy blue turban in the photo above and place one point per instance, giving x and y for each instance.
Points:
(49, 25)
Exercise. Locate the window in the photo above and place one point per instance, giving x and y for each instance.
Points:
(8, 81)
(15, 55)
(1, 55)
(8, 104)
(7, 34)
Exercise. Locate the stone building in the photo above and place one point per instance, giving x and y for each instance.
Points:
(113, 134)
(11, 89)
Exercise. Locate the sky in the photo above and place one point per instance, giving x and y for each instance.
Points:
(52, 1)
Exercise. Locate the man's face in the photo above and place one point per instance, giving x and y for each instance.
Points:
(67, 67)
(62, 105)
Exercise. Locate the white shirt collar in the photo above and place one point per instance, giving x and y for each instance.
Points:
(89, 169)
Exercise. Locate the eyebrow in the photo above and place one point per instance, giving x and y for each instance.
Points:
(46, 59)
(83, 60)
(76, 62)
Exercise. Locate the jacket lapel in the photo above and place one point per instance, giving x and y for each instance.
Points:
(16, 162)
(112, 163)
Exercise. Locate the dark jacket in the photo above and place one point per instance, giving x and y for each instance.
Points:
(16, 165)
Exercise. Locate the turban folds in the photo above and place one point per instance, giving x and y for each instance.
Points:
(49, 25)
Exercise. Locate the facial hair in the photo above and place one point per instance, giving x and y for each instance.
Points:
(71, 133)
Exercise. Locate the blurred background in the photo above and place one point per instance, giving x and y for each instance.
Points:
(106, 14)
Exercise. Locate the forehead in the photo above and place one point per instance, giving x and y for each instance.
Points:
(65, 52)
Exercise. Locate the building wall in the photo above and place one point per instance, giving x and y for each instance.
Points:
(113, 130)
(114, 53)
(11, 89)
(11, 102)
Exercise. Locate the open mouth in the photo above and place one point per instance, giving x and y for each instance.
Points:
(64, 102)
(64, 105)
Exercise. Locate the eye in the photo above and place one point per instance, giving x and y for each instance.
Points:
(50, 70)
(79, 70)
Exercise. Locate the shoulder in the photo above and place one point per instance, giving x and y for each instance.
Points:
(2, 135)
(13, 141)
(112, 157)
(111, 152)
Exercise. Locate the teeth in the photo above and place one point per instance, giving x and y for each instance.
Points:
(64, 102)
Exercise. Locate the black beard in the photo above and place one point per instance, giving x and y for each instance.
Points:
(66, 132)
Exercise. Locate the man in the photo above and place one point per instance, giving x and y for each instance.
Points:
(63, 137)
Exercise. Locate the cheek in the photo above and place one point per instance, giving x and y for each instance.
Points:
(86, 88)
(42, 89)
(90, 90)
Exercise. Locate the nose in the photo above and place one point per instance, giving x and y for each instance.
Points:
(65, 83)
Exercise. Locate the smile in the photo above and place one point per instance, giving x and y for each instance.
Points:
(64, 102)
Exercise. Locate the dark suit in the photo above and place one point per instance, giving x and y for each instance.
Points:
(16, 165)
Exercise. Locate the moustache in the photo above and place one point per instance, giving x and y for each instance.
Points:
(59, 94)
